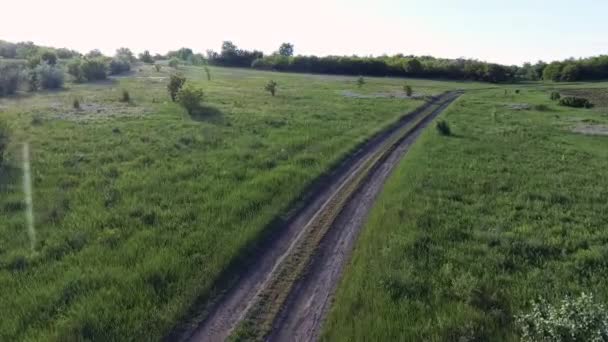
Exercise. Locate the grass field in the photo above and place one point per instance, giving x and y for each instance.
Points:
(473, 227)
(139, 208)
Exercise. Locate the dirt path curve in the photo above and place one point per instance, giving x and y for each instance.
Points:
(232, 307)
(310, 299)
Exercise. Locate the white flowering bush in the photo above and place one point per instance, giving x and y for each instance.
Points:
(576, 319)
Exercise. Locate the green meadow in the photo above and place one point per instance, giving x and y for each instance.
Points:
(472, 228)
(140, 209)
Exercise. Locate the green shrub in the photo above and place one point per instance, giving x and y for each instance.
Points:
(174, 62)
(49, 76)
(4, 139)
(271, 87)
(443, 128)
(75, 69)
(555, 96)
(32, 80)
(576, 102)
(76, 104)
(176, 82)
(94, 69)
(208, 72)
(49, 57)
(146, 57)
(360, 81)
(575, 319)
(119, 66)
(190, 98)
(517, 91)
(408, 90)
(158, 67)
(10, 79)
(126, 97)
(541, 107)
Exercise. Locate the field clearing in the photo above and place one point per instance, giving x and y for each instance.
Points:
(140, 209)
(471, 228)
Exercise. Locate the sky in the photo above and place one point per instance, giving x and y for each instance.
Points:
(506, 31)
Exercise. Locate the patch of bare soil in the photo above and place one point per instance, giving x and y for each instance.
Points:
(591, 129)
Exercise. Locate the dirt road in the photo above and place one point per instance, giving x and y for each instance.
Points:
(286, 292)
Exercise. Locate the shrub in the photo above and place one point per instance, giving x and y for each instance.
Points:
(208, 72)
(443, 128)
(49, 57)
(576, 319)
(4, 139)
(555, 96)
(10, 79)
(541, 107)
(576, 102)
(176, 82)
(408, 90)
(32, 80)
(48, 76)
(119, 66)
(75, 69)
(174, 62)
(271, 87)
(360, 81)
(146, 57)
(76, 104)
(517, 91)
(94, 69)
(126, 97)
(190, 98)
(158, 67)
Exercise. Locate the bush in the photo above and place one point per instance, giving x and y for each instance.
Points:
(94, 69)
(271, 87)
(10, 79)
(48, 76)
(126, 97)
(176, 82)
(576, 102)
(190, 98)
(76, 104)
(408, 90)
(75, 69)
(541, 107)
(443, 128)
(49, 57)
(158, 67)
(360, 81)
(555, 96)
(119, 66)
(4, 139)
(576, 319)
(32, 80)
(174, 62)
(146, 57)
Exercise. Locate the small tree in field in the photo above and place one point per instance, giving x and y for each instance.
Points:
(360, 81)
(555, 96)
(408, 90)
(190, 98)
(176, 82)
(444, 128)
(271, 87)
(157, 67)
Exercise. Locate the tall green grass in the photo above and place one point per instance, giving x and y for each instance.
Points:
(139, 208)
(471, 228)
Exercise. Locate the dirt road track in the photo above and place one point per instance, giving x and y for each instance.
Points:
(308, 300)
(301, 318)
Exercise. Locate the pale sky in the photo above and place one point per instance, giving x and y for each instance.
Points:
(506, 31)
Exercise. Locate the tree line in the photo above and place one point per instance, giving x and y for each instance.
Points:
(284, 59)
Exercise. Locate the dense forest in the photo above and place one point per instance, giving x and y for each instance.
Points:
(593, 68)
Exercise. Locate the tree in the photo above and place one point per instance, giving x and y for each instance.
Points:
(146, 57)
(570, 73)
(49, 57)
(412, 66)
(125, 54)
(271, 87)
(190, 98)
(553, 72)
(94, 54)
(286, 49)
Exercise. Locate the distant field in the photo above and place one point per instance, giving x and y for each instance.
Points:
(139, 208)
(471, 228)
